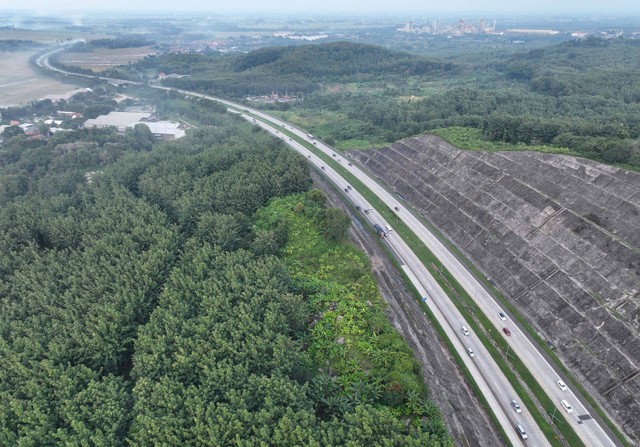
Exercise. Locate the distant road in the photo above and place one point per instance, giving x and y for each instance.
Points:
(494, 385)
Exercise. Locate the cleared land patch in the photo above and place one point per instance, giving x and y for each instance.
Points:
(20, 84)
(104, 59)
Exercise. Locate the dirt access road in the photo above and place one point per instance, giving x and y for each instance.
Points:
(464, 416)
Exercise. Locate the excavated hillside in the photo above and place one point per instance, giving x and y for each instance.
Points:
(559, 236)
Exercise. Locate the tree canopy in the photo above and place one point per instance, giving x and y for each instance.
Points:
(145, 300)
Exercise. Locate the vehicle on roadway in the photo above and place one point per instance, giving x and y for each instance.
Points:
(521, 431)
(470, 352)
(349, 186)
(397, 209)
(464, 330)
(562, 385)
(502, 316)
(516, 406)
(567, 406)
(506, 331)
(309, 136)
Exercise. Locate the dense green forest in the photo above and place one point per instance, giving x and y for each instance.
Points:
(190, 293)
(300, 69)
(581, 95)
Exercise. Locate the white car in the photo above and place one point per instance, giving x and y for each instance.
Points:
(516, 406)
(521, 431)
(562, 385)
(464, 330)
(567, 406)
(502, 316)
(470, 351)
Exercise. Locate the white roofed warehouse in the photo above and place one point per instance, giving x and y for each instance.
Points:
(164, 130)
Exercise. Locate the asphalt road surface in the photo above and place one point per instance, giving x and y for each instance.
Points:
(589, 429)
(486, 373)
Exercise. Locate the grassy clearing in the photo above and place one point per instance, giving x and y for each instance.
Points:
(350, 338)
(472, 139)
(355, 143)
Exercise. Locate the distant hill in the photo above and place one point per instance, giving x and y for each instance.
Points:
(300, 68)
(594, 67)
(337, 59)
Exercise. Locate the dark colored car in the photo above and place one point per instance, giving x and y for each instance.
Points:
(506, 330)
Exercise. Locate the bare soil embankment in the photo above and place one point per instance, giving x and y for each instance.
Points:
(559, 235)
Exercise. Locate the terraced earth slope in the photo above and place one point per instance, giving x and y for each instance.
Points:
(559, 236)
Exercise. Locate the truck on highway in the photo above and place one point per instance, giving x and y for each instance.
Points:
(379, 230)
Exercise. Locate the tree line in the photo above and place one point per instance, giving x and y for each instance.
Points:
(582, 95)
(18, 44)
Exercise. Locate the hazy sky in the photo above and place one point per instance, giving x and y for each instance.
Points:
(363, 6)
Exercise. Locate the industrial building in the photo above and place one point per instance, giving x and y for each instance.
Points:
(165, 130)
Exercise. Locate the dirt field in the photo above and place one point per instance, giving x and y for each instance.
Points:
(103, 59)
(19, 84)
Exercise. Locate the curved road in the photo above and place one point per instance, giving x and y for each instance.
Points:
(494, 385)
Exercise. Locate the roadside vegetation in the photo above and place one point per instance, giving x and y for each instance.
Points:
(162, 294)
